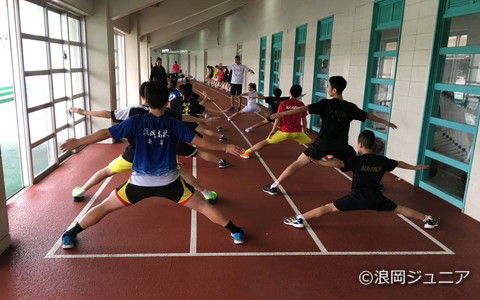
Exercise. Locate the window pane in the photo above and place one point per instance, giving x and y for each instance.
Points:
(301, 50)
(54, 25)
(321, 85)
(326, 46)
(80, 130)
(79, 103)
(464, 31)
(77, 83)
(38, 90)
(379, 147)
(34, 55)
(75, 57)
(74, 29)
(323, 65)
(42, 157)
(58, 85)
(457, 107)
(452, 143)
(40, 124)
(388, 39)
(446, 178)
(382, 94)
(461, 69)
(56, 56)
(61, 114)
(377, 126)
(62, 137)
(386, 67)
(32, 18)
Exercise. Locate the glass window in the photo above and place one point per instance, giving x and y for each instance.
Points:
(58, 85)
(61, 112)
(57, 56)
(452, 143)
(382, 94)
(326, 46)
(456, 106)
(76, 57)
(74, 29)
(34, 55)
(77, 83)
(38, 90)
(462, 69)
(40, 124)
(388, 39)
(54, 25)
(386, 67)
(80, 130)
(463, 31)
(377, 126)
(62, 137)
(32, 18)
(446, 178)
(42, 157)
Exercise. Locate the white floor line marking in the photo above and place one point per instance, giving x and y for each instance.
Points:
(55, 247)
(438, 243)
(193, 228)
(289, 200)
(234, 254)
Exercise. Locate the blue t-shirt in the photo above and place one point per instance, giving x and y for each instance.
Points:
(155, 139)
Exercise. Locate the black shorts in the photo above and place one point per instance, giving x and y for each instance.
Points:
(235, 89)
(317, 150)
(270, 119)
(353, 202)
(178, 191)
(184, 149)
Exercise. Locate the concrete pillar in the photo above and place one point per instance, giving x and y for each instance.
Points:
(144, 59)
(132, 62)
(101, 62)
(4, 234)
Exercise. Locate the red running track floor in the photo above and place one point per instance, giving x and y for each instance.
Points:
(146, 251)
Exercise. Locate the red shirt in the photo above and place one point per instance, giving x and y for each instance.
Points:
(292, 123)
(175, 68)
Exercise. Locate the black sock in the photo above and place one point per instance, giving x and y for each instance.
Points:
(74, 230)
(233, 228)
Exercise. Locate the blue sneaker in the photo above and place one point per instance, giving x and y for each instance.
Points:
(238, 237)
(68, 242)
(294, 221)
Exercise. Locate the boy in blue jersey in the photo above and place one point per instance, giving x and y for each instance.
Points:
(155, 172)
(368, 170)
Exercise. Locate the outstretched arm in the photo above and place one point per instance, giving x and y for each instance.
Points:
(213, 145)
(404, 165)
(374, 118)
(297, 110)
(332, 163)
(94, 113)
(98, 136)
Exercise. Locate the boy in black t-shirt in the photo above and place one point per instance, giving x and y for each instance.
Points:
(368, 169)
(336, 114)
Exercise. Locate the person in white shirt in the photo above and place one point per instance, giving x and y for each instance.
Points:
(252, 106)
(238, 71)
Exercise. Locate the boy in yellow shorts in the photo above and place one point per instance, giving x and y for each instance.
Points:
(292, 127)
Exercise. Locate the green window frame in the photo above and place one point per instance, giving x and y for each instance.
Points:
(299, 55)
(322, 62)
(382, 65)
(275, 61)
(450, 123)
(261, 66)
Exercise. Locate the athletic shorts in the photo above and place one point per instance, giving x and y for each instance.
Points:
(350, 202)
(270, 119)
(178, 191)
(280, 136)
(120, 165)
(184, 149)
(318, 150)
(251, 109)
(235, 89)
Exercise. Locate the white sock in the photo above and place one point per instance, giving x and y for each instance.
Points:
(426, 218)
(300, 216)
(274, 185)
(206, 193)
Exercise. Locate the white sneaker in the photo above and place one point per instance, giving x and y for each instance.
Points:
(249, 129)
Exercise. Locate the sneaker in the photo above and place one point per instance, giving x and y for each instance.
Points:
(430, 223)
(219, 128)
(245, 155)
(213, 197)
(294, 221)
(231, 108)
(239, 108)
(68, 242)
(238, 237)
(249, 129)
(222, 138)
(267, 189)
(77, 194)
(222, 164)
(229, 119)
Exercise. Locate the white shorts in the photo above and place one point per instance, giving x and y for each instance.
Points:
(251, 109)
